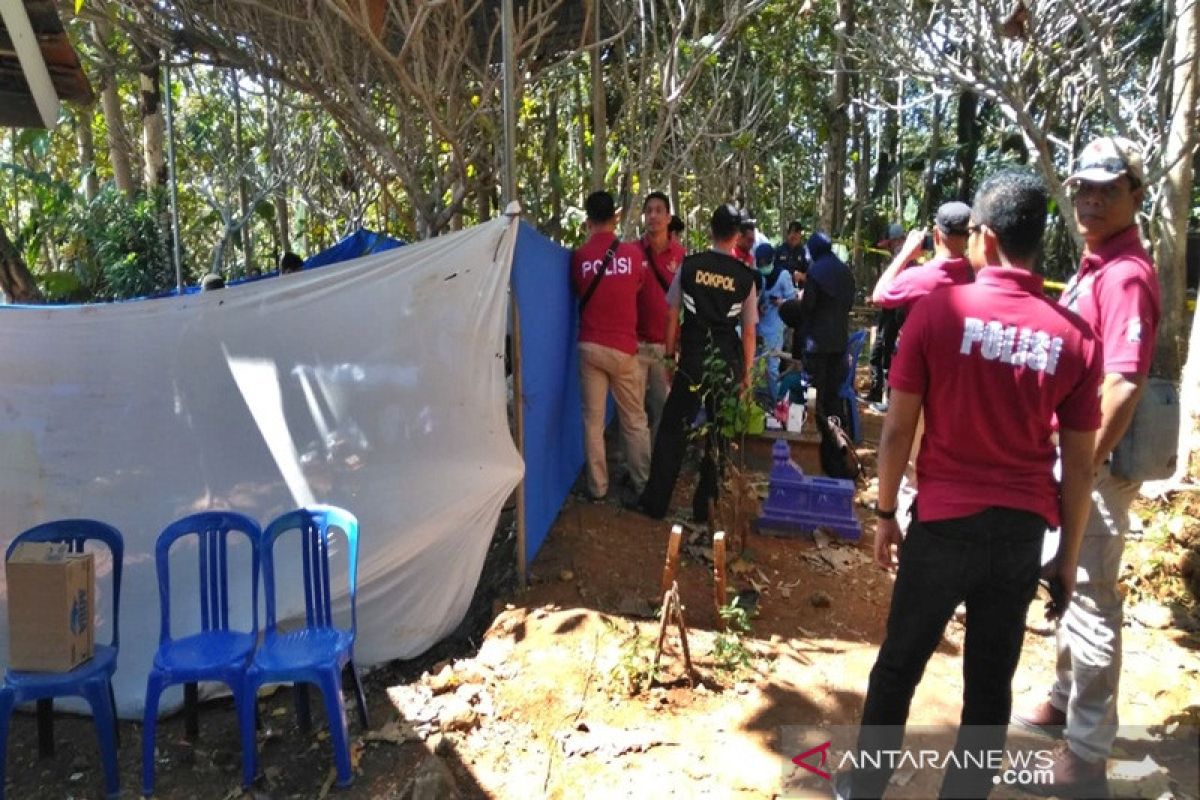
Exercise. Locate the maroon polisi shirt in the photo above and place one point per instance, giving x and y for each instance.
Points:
(995, 361)
(611, 315)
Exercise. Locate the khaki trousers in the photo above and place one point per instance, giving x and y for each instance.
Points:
(654, 370)
(603, 369)
(1089, 635)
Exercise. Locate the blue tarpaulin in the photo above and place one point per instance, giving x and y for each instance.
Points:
(358, 244)
(550, 380)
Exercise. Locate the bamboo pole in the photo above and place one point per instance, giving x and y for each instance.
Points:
(672, 557)
(719, 570)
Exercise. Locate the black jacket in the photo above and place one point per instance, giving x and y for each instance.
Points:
(827, 300)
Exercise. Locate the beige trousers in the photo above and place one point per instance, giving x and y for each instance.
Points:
(657, 383)
(603, 369)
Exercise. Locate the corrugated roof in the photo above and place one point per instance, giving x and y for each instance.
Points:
(17, 105)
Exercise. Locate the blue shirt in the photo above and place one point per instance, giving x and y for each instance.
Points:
(768, 318)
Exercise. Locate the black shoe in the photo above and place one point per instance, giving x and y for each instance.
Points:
(636, 505)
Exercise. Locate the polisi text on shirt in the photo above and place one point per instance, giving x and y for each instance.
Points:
(1008, 344)
(621, 265)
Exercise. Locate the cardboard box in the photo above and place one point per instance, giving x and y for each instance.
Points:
(50, 602)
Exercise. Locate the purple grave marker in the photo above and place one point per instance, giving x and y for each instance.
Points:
(799, 504)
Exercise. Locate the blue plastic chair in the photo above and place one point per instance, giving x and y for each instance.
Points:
(854, 348)
(216, 653)
(91, 680)
(319, 651)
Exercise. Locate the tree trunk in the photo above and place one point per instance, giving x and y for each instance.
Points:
(1189, 406)
(967, 130)
(581, 149)
(599, 106)
(154, 166)
(862, 181)
(1171, 255)
(110, 104)
(282, 228)
(243, 188)
(889, 139)
(1172, 242)
(554, 224)
(15, 279)
(86, 144)
(833, 181)
(929, 198)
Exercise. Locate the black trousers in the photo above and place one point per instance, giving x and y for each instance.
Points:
(828, 372)
(990, 561)
(670, 446)
(887, 330)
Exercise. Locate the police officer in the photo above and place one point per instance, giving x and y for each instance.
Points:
(717, 293)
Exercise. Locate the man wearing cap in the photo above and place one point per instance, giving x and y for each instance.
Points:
(1116, 292)
(775, 288)
(900, 286)
(887, 328)
(991, 363)
(716, 294)
(606, 275)
(663, 256)
(791, 255)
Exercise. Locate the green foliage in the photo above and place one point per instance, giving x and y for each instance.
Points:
(720, 389)
(634, 670)
(729, 647)
(128, 244)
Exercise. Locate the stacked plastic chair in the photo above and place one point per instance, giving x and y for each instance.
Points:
(317, 652)
(91, 680)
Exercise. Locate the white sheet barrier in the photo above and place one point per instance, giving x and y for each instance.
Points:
(376, 385)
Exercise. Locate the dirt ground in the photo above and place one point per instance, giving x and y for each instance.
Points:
(543, 707)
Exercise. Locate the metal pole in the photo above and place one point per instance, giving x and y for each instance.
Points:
(173, 183)
(508, 192)
(509, 100)
(519, 419)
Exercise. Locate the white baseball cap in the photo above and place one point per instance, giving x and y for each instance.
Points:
(1108, 158)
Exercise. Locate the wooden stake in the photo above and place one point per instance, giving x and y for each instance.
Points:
(683, 636)
(672, 564)
(672, 612)
(719, 570)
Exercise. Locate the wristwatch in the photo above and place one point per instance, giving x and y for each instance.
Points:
(879, 512)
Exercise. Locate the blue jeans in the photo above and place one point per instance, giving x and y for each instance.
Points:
(990, 561)
(772, 340)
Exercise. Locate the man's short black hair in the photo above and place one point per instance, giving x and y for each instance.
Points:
(675, 225)
(600, 207)
(726, 221)
(290, 262)
(211, 281)
(795, 226)
(657, 196)
(1013, 204)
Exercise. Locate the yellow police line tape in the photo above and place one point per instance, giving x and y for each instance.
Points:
(1054, 286)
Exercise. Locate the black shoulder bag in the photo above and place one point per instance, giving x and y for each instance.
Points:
(654, 268)
(591, 289)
